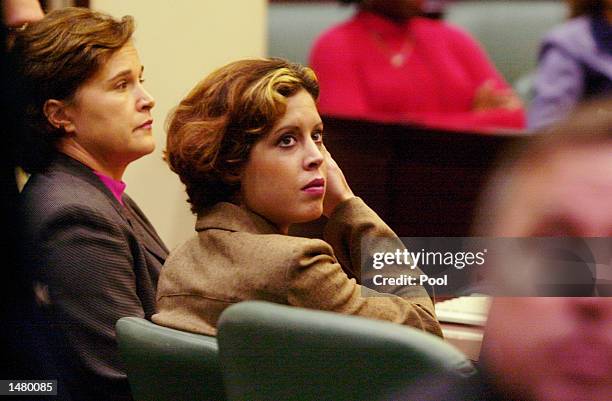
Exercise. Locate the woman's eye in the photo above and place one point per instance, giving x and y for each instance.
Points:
(317, 136)
(122, 85)
(141, 80)
(286, 141)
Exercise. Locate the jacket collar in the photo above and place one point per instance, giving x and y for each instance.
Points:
(65, 163)
(227, 216)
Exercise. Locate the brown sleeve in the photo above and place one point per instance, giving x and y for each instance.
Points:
(356, 233)
(317, 279)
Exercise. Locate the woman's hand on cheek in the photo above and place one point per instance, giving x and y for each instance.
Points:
(337, 189)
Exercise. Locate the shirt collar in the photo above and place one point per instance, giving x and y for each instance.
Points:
(227, 216)
(116, 187)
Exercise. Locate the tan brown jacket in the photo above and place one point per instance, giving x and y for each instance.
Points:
(237, 255)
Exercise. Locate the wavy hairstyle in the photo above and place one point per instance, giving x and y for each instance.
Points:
(53, 57)
(212, 130)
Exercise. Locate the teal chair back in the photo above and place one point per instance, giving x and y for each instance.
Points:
(164, 364)
(294, 26)
(276, 352)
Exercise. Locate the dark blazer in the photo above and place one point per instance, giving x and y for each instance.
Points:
(237, 255)
(93, 261)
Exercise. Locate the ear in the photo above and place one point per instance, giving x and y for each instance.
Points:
(55, 111)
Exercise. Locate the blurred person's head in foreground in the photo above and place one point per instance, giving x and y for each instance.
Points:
(550, 348)
(558, 185)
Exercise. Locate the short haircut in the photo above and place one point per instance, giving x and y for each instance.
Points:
(212, 130)
(53, 57)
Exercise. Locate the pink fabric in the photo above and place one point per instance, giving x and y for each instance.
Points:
(115, 186)
(435, 86)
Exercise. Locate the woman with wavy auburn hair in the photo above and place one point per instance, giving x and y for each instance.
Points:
(93, 255)
(247, 142)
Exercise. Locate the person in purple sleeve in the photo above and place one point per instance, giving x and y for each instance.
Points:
(575, 63)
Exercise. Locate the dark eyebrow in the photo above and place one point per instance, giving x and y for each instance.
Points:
(125, 72)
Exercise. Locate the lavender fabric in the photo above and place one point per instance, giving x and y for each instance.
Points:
(575, 64)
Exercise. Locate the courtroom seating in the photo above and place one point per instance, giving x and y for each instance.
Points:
(164, 364)
(277, 352)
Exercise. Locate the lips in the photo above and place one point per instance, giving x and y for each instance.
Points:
(146, 125)
(315, 187)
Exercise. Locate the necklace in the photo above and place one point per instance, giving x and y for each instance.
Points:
(396, 58)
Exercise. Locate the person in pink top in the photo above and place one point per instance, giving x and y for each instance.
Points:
(387, 63)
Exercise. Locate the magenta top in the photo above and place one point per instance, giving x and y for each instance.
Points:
(115, 186)
(422, 71)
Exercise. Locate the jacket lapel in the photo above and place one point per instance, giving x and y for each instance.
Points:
(144, 230)
(141, 227)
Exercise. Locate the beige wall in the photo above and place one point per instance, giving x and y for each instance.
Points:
(180, 42)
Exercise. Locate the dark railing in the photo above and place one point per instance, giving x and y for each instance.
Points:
(421, 181)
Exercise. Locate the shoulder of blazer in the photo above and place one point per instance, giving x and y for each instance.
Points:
(252, 236)
(274, 251)
(68, 185)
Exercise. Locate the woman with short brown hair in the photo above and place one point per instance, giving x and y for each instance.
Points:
(247, 142)
(92, 253)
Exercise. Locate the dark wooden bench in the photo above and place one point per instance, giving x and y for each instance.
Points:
(423, 182)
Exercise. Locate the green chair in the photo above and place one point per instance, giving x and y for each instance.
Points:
(276, 352)
(166, 364)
